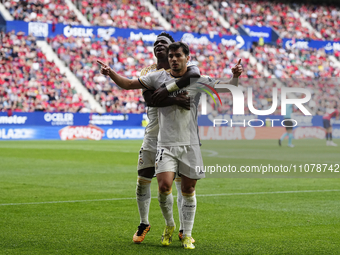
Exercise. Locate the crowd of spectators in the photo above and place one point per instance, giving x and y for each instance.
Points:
(49, 11)
(28, 82)
(129, 57)
(126, 57)
(278, 15)
(121, 13)
(296, 63)
(190, 16)
(325, 19)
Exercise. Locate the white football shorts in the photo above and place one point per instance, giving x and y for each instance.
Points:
(146, 159)
(182, 160)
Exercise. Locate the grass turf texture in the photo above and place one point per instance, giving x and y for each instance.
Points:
(90, 172)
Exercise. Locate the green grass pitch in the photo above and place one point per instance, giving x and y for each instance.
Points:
(77, 197)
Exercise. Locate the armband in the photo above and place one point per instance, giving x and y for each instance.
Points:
(171, 87)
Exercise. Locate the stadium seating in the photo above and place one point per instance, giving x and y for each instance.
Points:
(296, 64)
(122, 14)
(28, 82)
(35, 91)
(127, 57)
(50, 11)
(263, 13)
(325, 19)
(190, 16)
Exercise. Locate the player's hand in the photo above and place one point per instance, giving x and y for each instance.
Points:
(183, 100)
(105, 69)
(237, 70)
(159, 95)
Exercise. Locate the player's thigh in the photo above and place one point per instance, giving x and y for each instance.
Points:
(166, 165)
(166, 160)
(191, 162)
(146, 163)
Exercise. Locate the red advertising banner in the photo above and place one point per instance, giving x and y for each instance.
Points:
(89, 132)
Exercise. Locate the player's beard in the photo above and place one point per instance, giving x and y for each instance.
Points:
(178, 68)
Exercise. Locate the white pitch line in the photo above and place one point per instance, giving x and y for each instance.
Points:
(202, 195)
(212, 153)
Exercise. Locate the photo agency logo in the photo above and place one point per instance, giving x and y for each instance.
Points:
(238, 104)
(209, 93)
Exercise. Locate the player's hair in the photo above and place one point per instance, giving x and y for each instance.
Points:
(177, 45)
(166, 35)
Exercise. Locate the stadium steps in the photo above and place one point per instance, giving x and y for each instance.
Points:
(51, 56)
(305, 23)
(5, 13)
(224, 23)
(158, 15)
(80, 16)
(75, 83)
(334, 60)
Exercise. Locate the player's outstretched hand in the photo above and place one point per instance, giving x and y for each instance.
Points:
(183, 100)
(237, 70)
(159, 95)
(105, 69)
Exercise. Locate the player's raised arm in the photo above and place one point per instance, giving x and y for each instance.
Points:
(192, 74)
(237, 71)
(121, 81)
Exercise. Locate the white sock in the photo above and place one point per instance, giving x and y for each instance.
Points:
(166, 201)
(178, 182)
(188, 208)
(143, 193)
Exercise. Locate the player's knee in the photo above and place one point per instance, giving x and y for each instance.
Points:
(164, 187)
(188, 189)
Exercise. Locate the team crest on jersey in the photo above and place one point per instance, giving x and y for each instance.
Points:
(141, 162)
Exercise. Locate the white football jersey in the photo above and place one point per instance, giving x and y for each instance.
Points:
(177, 126)
(151, 130)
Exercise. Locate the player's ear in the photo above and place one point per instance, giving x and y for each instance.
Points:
(188, 58)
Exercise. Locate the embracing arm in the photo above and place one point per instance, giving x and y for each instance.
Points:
(192, 74)
(121, 81)
(181, 100)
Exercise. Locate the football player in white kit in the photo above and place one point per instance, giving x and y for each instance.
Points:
(178, 142)
(147, 153)
(178, 148)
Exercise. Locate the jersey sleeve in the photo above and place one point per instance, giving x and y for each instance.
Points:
(206, 81)
(148, 81)
(144, 71)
